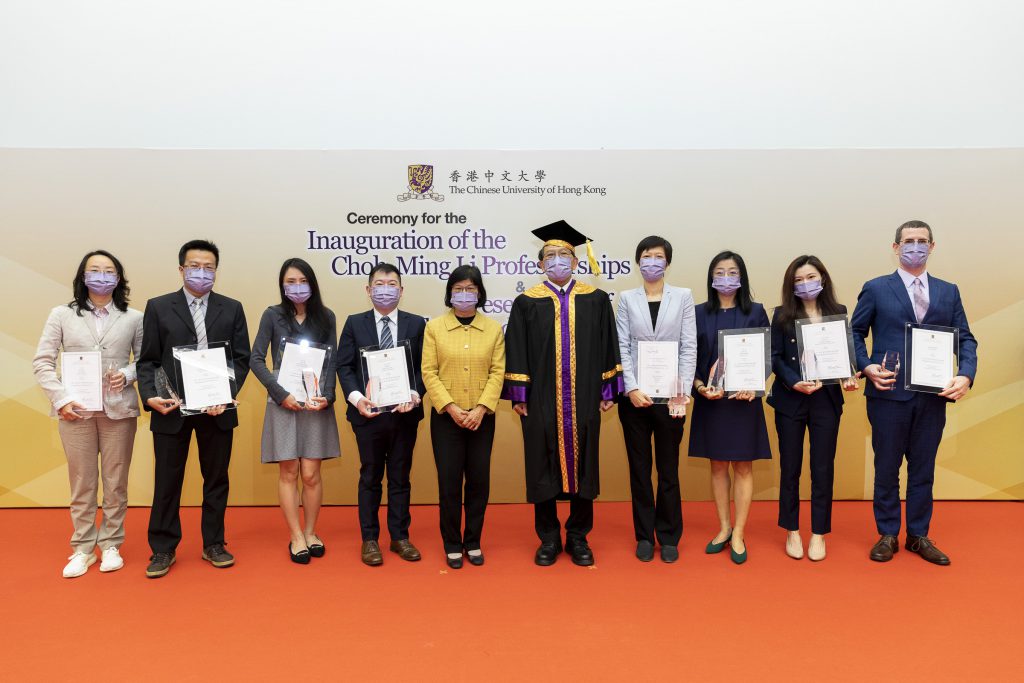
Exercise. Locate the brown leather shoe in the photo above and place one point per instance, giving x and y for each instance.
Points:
(885, 548)
(923, 546)
(371, 554)
(406, 550)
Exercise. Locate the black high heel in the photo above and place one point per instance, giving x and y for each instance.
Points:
(301, 557)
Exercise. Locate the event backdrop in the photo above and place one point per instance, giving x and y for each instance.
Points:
(345, 210)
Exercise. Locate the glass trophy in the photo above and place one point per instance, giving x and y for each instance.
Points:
(680, 397)
(387, 375)
(891, 363)
(304, 365)
(932, 357)
(205, 376)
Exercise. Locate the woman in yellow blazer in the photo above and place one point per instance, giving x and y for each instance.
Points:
(463, 370)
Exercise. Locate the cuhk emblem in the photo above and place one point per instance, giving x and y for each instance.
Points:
(421, 182)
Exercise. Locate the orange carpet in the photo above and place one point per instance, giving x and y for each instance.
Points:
(702, 618)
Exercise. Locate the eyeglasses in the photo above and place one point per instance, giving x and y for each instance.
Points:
(199, 266)
(924, 241)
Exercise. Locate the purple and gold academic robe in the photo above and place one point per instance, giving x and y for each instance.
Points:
(562, 360)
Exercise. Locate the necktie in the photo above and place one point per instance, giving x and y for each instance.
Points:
(920, 302)
(199, 319)
(386, 341)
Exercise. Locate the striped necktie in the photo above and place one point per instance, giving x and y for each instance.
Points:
(386, 341)
(920, 302)
(199, 320)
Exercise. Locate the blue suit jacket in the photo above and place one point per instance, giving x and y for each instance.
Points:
(784, 398)
(884, 309)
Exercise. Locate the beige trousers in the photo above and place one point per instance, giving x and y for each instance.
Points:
(84, 441)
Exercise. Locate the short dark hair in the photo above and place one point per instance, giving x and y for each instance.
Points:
(465, 272)
(385, 268)
(653, 242)
(81, 292)
(912, 224)
(201, 245)
(744, 297)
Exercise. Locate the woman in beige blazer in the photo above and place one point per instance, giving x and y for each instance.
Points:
(97, 319)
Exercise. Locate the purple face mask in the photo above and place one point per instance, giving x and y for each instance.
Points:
(652, 268)
(558, 267)
(101, 284)
(465, 302)
(808, 290)
(913, 255)
(298, 293)
(199, 280)
(385, 296)
(726, 284)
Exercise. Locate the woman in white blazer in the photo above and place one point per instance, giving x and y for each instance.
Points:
(97, 319)
(662, 313)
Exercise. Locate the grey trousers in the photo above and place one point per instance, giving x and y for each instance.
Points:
(98, 447)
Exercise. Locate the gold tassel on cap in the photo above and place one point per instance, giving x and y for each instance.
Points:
(594, 268)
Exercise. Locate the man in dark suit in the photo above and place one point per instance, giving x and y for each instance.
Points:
(191, 315)
(907, 423)
(385, 439)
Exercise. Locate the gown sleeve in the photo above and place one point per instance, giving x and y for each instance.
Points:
(612, 382)
(517, 367)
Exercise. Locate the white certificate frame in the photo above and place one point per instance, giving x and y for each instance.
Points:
(212, 382)
(735, 372)
(299, 355)
(825, 365)
(382, 377)
(79, 384)
(931, 370)
(657, 369)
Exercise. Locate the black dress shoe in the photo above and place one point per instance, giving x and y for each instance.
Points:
(547, 553)
(923, 546)
(884, 549)
(669, 553)
(159, 565)
(581, 554)
(454, 562)
(644, 551)
(475, 560)
(301, 557)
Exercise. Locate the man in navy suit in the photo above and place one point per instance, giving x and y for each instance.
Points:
(907, 423)
(385, 439)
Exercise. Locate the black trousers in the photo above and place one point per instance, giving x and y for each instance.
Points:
(171, 452)
(818, 418)
(385, 445)
(579, 524)
(658, 518)
(461, 456)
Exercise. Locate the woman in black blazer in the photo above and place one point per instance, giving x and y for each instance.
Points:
(802, 406)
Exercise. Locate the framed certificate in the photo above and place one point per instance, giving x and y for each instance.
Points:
(81, 373)
(825, 348)
(387, 375)
(205, 376)
(657, 369)
(302, 367)
(744, 360)
(931, 357)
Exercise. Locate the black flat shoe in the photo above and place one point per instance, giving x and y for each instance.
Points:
(317, 550)
(454, 562)
(475, 560)
(301, 557)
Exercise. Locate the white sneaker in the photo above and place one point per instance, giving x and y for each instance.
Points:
(79, 564)
(111, 560)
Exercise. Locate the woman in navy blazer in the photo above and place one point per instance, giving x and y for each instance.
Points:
(730, 431)
(802, 406)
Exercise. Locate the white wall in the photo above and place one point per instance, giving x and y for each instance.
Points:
(524, 74)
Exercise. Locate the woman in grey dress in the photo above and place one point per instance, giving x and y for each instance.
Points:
(297, 435)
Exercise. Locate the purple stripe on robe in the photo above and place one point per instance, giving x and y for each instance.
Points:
(517, 393)
(568, 427)
(612, 388)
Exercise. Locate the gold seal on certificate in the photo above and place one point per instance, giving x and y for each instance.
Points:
(931, 357)
(744, 360)
(81, 373)
(205, 376)
(825, 347)
(387, 375)
(657, 369)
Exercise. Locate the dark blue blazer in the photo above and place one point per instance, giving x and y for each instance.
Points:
(884, 309)
(787, 371)
(360, 331)
(707, 335)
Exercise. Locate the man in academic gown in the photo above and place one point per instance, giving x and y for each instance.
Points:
(562, 371)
